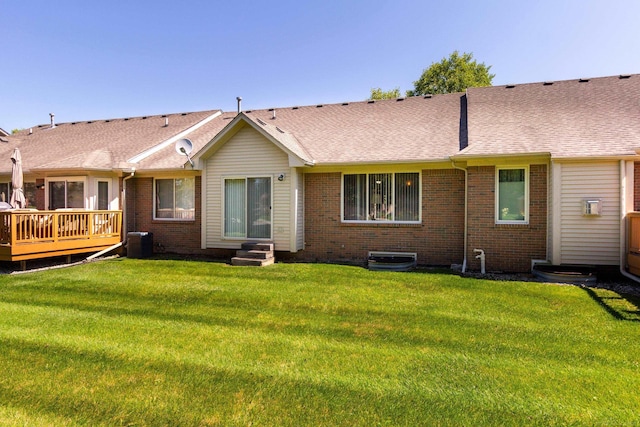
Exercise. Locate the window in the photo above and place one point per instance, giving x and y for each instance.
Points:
(175, 198)
(103, 195)
(30, 194)
(247, 208)
(512, 195)
(381, 197)
(5, 195)
(66, 194)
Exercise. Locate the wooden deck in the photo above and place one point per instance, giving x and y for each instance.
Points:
(26, 235)
(633, 251)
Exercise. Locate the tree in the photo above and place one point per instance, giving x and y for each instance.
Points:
(377, 93)
(453, 74)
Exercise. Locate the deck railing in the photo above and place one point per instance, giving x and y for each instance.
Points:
(633, 251)
(38, 232)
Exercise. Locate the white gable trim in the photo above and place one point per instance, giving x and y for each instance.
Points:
(172, 140)
(229, 130)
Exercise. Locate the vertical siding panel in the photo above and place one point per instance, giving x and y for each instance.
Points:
(247, 153)
(590, 239)
(300, 212)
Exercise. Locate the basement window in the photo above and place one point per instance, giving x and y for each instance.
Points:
(512, 195)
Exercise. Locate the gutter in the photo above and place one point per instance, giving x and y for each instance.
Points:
(466, 192)
(124, 205)
(623, 222)
(104, 251)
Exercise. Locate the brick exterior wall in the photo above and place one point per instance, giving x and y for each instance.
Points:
(508, 248)
(636, 186)
(179, 237)
(438, 240)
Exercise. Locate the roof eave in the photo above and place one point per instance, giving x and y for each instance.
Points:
(457, 157)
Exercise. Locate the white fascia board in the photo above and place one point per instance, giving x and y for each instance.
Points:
(173, 139)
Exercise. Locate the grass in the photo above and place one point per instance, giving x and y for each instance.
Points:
(161, 342)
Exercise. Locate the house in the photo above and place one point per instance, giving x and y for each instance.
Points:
(525, 173)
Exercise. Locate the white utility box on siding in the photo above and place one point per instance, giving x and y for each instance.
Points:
(592, 207)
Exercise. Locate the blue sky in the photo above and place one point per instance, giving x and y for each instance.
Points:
(98, 59)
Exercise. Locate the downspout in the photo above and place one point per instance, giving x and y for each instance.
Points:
(124, 205)
(466, 176)
(623, 222)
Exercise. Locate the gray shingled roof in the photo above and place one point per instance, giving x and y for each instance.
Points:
(403, 130)
(568, 119)
(574, 118)
(97, 144)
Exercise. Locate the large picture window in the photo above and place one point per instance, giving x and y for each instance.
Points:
(175, 198)
(381, 197)
(512, 195)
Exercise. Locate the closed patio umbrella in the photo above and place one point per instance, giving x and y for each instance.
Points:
(17, 195)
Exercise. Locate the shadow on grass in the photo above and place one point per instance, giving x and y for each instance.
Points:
(620, 306)
(103, 387)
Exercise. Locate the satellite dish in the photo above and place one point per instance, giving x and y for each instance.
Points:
(184, 147)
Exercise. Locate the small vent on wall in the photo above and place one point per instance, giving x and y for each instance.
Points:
(592, 207)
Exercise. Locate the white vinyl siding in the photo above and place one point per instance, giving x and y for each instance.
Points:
(589, 239)
(247, 154)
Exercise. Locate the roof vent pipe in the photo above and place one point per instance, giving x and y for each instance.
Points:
(239, 99)
(166, 121)
(274, 114)
(53, 122)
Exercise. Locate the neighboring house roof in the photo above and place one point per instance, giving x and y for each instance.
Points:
(4, 132)
(170, 159)
(97, 144)
(597, 117)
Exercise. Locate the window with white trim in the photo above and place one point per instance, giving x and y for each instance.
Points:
(103, 195)
(381, 197)
(174, 199)
(512, 195)
(66, 193)
(247, 207)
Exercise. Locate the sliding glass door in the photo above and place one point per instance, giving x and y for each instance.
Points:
(247, 208)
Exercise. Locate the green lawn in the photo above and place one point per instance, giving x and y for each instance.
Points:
(161, 342)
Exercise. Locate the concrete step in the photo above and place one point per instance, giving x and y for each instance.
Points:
(254, 254)
(257, 246)
(253, 262)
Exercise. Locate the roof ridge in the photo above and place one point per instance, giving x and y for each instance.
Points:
(126, 118)
(564, 81)
(344, 103)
